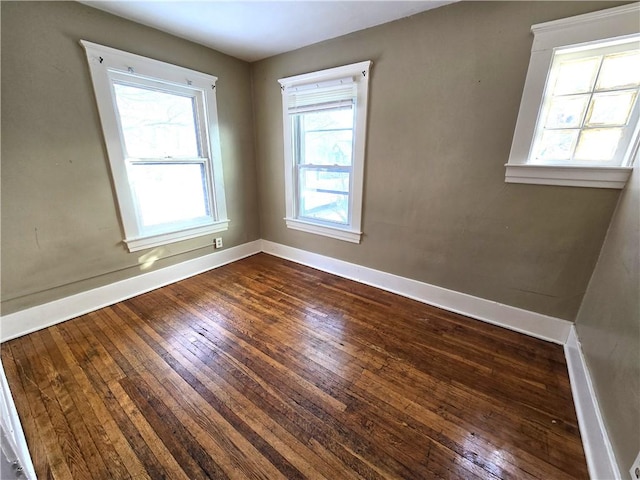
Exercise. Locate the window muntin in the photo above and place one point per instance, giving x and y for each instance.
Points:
(589, 111)
(160, 126)
(324, 132)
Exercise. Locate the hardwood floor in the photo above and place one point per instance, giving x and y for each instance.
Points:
(268, 369)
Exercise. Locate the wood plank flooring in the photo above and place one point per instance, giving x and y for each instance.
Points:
(267, 369)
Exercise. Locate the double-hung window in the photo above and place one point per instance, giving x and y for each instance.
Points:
(161, 133)
(579, 117)
(324, 137)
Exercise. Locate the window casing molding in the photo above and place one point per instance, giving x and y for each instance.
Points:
(108, 67)
(351, 231)
(592, 28)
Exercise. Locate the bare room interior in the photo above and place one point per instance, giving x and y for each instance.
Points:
(341, 239)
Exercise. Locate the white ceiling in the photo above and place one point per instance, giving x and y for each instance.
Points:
(253, 30)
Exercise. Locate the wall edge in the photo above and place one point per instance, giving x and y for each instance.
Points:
(598, 450)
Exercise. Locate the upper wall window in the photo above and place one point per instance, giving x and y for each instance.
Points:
(590, 107)
(578, 120)
(324, 137)
(161, 131)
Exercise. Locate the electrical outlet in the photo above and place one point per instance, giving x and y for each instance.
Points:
(634, 471)
(218, 242)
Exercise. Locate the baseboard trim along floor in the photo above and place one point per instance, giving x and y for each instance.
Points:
(35, 318)
(600, 459)
(530, 323)
(595, 440)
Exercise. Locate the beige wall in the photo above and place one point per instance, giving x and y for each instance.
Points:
(608, 326)
(445, 91)
(60, 228)
(444, 96)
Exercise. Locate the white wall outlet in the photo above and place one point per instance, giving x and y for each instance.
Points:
(634, 471)
(218, 242)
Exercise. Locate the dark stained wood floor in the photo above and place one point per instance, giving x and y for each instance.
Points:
(268, 369)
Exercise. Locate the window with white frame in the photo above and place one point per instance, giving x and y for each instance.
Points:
(590, 110)
(324, 116)
(578, 122)
(161, 133)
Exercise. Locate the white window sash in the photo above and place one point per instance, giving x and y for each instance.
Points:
(328, 168)
(623, 155)
(126, 78)
(155, 230)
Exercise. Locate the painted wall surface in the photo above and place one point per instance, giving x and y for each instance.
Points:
(608, 326)
(60, 225)
(444, 97)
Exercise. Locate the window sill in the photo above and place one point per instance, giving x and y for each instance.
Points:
(571, 176)
(333, 232)
(136, 244)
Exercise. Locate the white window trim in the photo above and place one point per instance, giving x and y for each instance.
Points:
(353, 232)
(106, 61)
(582, 29)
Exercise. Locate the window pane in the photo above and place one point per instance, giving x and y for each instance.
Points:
(598, 144)
(156, 124)
(557, 144)
(169, 192)
(326, 137)
(329, 119)
(328, 148)
(619, 71)
(611, 108)
(567, 112)
(324, 195)
(576, 76)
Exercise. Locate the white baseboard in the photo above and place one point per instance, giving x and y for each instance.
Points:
(42, 316)
(597, 447)
(35, 318)
(598, 450)
(523, 321)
